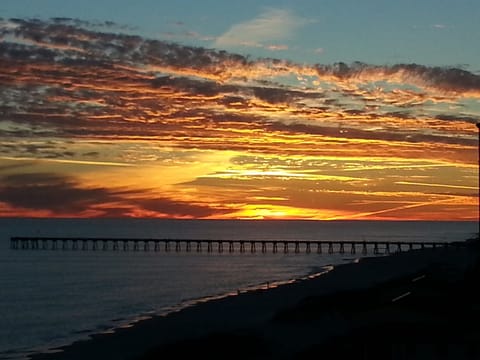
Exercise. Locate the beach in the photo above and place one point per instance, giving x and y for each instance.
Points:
(409, 304)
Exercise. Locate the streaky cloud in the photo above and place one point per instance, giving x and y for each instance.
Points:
(71, 161)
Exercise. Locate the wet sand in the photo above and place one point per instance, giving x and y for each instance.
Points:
(407, 304)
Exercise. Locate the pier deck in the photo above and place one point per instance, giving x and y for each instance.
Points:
(220, 246)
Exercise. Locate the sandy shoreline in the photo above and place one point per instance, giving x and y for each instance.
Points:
(275, 323)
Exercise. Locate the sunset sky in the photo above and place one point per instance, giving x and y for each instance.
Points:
(310, 109)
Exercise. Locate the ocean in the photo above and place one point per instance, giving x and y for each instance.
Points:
(52, 298)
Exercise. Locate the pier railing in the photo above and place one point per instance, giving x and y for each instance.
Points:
(220, 246)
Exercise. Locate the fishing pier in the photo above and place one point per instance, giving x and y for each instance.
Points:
(219, 246)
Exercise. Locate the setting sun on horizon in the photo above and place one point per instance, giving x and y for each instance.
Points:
(104, 119)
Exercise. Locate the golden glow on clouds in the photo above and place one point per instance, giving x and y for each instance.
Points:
(279, 174)
(148, 128)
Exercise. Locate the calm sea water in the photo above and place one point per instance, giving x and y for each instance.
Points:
(52, 298)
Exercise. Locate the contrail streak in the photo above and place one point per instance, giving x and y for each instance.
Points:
(436, 185)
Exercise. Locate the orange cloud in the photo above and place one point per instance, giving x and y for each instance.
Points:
(129, 126)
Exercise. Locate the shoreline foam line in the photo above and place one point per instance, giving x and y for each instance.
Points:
(168, 310)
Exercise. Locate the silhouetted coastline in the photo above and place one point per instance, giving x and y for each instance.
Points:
(408, 306)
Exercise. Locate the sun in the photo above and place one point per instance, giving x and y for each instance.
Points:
(278, 212)
(265, 214)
